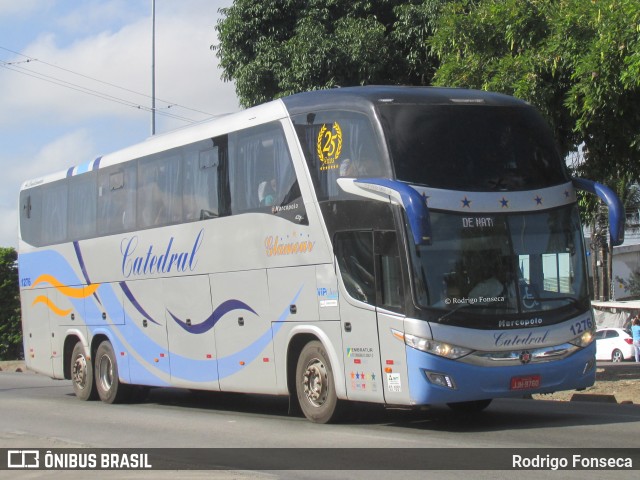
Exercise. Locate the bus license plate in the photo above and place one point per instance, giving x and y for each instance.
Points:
(525, 383)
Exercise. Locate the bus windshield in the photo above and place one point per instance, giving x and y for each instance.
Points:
(471, 147)
(505, 264)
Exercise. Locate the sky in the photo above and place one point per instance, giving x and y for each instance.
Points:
(75, 82)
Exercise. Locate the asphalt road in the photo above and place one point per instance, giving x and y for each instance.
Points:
(38, 412)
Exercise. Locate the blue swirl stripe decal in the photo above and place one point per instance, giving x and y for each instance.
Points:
(230, 364)
(135, 303)
(218, 313)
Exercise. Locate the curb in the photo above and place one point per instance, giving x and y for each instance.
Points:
(13, 366)
(593, 397)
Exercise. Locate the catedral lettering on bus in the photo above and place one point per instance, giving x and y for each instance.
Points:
(150, 263)
(446, 230)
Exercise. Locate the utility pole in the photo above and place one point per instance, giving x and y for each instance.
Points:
(153, 67)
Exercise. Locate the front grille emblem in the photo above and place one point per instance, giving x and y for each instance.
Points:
(525, 357)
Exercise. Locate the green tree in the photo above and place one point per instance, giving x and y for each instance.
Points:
(280, 47)
(10, 327)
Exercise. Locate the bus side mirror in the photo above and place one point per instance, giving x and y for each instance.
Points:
(616, 210)
(414, 204)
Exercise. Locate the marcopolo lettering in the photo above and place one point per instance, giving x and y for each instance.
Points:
(529, 322)
(150, 262)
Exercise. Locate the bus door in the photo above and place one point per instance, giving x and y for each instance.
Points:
(369, 265)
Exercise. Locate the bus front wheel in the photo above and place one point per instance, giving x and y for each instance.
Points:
(82, 374)
(108, 384)
(315, 385)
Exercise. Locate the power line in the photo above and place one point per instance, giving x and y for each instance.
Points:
(64, 83)
(88, 91)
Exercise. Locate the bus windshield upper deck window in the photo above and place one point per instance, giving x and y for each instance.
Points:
(472, 148)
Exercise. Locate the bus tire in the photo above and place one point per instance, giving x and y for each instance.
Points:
(82, 374)
(110, 389)
(473, 406)
(315, 384)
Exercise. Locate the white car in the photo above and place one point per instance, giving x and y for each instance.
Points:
(614, 344)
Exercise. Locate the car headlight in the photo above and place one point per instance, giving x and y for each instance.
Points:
(442, 349)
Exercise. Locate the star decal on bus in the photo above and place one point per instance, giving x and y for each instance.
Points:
(538, 200)
(504, 202)
(466, 202)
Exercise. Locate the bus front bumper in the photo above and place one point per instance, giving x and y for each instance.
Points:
(434, 379)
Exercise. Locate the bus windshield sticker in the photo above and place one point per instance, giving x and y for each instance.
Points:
(329, 146)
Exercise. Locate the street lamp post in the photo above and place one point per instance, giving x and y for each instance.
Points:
(153, 67)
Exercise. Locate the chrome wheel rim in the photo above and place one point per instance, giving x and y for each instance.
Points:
(80, 372)
(315, 382)
(106, 373)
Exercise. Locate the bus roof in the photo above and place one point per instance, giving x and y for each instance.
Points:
(362, 98)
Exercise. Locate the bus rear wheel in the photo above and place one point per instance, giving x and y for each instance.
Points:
(315, 384)
(82, 374)
(108, 384)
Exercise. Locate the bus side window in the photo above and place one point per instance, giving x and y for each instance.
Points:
(337, 144)
(159, 190)
(261, 174)
(354, 253)
(202, 164)
(82, 206)
(54, 222)
(31, 215)
(117, 199)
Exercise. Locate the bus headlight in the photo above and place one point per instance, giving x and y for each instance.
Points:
(441, 349)
(583, 340)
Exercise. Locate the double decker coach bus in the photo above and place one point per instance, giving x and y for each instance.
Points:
(395, 245)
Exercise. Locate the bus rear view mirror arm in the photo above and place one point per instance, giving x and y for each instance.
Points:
(616, 209)
(414, 204)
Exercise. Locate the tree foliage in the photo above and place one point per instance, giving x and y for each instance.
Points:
(279, 47)
(10, 327)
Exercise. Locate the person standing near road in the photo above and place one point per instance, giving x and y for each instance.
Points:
(635, 333)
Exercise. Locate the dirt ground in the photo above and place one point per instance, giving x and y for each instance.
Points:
(618, 382)
(621, 380)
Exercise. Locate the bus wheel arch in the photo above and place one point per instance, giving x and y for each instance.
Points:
(69, 345)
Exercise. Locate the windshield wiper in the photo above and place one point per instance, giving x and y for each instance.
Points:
(570, 300)
(459, 307)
